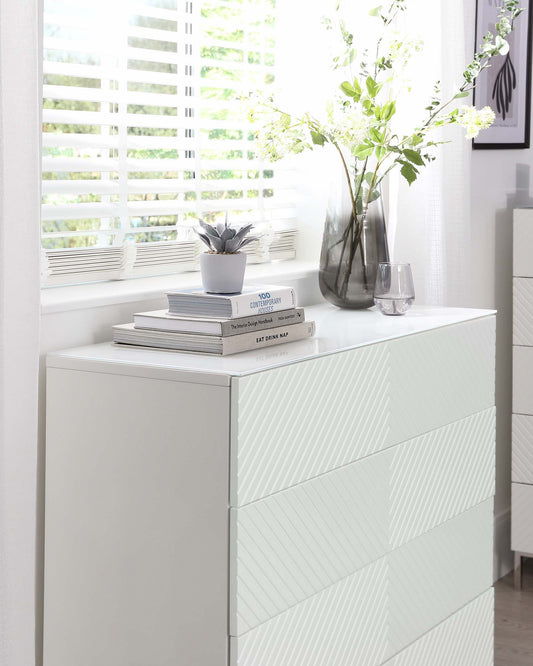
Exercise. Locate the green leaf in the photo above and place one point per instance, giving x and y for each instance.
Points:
(381, 151)
(374, 196)
(388, 111)
(318, 138)
(416, 140)
(408, 173)
(413, 156)
(363, 150)
(367, 105)
(461, 94)
(372, 87)
(357, 87)
(348, 89)
(376, 11)
(378, 112)
(375, 135)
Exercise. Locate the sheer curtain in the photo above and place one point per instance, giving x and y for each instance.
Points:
(429, 223)
(19, 325)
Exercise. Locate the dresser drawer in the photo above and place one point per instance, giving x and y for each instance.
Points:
(441, 474)
(522, 448)
(293, 423)
(439, 572)
(291, 545)
(464, 639)
(522, 374)
(523, 311)
(522, 518)
(344, 625)
(522, 243)
(373, 614)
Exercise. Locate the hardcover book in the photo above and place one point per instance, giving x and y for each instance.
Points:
(161, 320)
(127, 334)
(254, 299)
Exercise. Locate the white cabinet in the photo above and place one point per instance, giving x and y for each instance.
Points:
(323, 503)
(522, 457)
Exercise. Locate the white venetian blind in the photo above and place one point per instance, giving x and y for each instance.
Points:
(143, 131)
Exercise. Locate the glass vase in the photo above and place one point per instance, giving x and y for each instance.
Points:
(351, 250)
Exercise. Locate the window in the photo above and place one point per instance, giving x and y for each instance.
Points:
(143, 131)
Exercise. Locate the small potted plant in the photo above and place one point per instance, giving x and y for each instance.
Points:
(222, 266)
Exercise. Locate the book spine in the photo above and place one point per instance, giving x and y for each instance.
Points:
(267, 338)
(262, 322)
(262, 302)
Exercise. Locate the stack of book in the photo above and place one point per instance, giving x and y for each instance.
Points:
(219, 323)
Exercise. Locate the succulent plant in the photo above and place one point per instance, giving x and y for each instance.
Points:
(223, 238)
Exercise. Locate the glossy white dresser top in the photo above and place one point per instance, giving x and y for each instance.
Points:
(337, 330)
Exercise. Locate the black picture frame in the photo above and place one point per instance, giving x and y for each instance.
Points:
(494, 87)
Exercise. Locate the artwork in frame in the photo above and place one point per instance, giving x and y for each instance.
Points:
(506, 85)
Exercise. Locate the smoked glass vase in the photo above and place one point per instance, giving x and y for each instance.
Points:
(351, 250)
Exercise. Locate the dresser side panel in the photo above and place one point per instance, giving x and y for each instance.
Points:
(136, 521)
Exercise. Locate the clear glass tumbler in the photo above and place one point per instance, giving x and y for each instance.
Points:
(394, 292)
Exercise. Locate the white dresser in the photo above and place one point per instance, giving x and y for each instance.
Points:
(324, 503)
(522, 460)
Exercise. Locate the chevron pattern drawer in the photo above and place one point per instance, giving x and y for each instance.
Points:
(522, 469)
(345, 624)
(385, 606)
(521, 518)
(405, 387)
(425, 369)
(291, 545)
(464, 639)
(438, 573)
(523, 311)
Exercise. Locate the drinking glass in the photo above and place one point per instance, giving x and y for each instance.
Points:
(394, 292)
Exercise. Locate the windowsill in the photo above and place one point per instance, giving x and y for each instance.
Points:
(99, 294)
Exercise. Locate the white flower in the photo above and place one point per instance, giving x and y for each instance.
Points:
(474, 120)
(347, 124)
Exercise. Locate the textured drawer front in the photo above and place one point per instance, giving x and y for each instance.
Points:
(294, 423)
(522, 374)
(295, 543)
(523, 311)
(522, 518)
(291, 545)
(523, 243)
(522, 448)
(441, 474)
(441, 571)
(464, 639)
(440, 377)
(341, 626)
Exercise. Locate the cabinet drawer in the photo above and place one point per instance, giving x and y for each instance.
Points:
(522, 243)
(521, 518)
(345, 624)
(439, 572)
(441, 474)
(294, 423)
(523, 311)
(373, 614)
(522, 373)
(291, 545)
(467, 638)
(522, 448)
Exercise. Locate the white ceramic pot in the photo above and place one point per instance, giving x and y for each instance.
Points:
(222, 273)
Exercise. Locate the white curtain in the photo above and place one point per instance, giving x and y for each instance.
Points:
(430, 221)
(19, 325)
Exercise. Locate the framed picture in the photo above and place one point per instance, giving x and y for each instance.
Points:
(506, 85)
